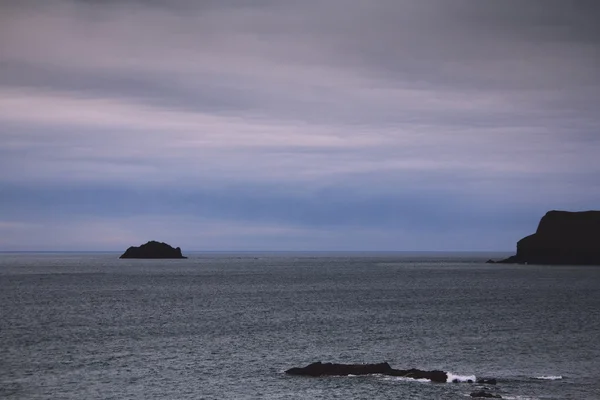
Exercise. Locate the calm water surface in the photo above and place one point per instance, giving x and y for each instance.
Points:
(90, 326)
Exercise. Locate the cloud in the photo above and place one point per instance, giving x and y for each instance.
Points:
(383, 106)
(198, 234)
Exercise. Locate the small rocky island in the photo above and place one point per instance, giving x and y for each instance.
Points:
(319, 369)
(562, 238)
(153, 249)
(324, 369)
(330, 369)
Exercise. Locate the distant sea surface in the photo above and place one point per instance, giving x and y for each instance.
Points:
(226, 326)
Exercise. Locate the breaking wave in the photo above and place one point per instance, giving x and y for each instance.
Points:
(460, 378)
(403, 379)
(549, 377)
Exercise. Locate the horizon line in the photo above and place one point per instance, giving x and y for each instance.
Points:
(269, 251)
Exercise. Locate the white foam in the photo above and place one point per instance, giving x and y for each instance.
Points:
(404, 379)
(460, 378)
(549, 377)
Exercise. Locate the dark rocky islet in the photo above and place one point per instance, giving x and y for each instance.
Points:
(153, 250)
(330, 369)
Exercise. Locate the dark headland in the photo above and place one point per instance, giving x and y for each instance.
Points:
(562, 238)
(153, 249)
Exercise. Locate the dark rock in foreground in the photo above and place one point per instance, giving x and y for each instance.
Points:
(320, 369)
(483, 393)
(329, 369)
(153, 249)
(562, 238)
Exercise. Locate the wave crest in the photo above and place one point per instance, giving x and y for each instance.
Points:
(460, 378)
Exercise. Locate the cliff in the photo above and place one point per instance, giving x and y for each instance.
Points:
(569, 238)
(153, 249)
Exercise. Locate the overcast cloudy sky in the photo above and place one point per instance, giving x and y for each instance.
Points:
(295, 125)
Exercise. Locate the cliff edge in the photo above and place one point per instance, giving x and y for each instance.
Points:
(562, 238)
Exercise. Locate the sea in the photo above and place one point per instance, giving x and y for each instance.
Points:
(228, 325)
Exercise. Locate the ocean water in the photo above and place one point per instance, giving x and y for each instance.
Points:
(226, 326)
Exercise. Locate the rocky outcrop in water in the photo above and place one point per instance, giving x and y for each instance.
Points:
(562, 237)
(483, 393)
(329, 369)
(153, 249)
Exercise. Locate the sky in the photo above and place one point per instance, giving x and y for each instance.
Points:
(404, 125)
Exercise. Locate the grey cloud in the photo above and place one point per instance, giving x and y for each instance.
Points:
(457, 47)
(155, 89)
(493, 101)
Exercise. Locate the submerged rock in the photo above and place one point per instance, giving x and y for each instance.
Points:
(325, 369)
(482, 393)
(487, 381)
(153, 249)
(562, 237)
